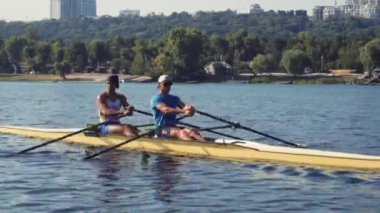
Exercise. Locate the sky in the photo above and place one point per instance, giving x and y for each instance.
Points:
(31, 10)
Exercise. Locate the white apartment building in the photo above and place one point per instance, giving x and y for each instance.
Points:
(129, 13)
(356, 8)
(330, 12)
(361, 8)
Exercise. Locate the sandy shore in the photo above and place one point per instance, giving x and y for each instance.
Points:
(97, 77)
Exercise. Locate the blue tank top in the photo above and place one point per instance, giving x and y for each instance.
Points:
(161, 120)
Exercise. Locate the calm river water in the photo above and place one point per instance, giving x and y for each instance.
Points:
(55, 179)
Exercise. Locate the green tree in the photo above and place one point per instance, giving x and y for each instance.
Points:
(370, 55)
(263, 63)
(237, 44)
(98, 50)
(295, 61)
(28, 54)
(62, 68)
(76, 55)
(219, 47)
(58, 52)
(14, 47)
(163, 65)
(126, 59)
(43, 57)
(144, 53)
(31, 35)
(183, 47)
(4, 62)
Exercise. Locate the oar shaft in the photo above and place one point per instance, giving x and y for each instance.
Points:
(49, 142)
(270, 136)
(214, 128)
(65, 136)
(212, 131)
(237, 125)
(193, 126)
(118, 145)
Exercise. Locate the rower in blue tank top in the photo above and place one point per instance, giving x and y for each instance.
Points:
(111, 105)
(165, 109)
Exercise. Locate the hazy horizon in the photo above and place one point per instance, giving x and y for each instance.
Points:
(32, 10)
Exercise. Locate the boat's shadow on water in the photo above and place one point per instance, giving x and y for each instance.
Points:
(151, 171)
(322, 175)
(166, 168)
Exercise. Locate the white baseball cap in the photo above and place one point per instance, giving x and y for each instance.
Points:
(164, 78)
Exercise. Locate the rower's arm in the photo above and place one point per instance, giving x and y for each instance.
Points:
(128, 109)
(185, 109)
(169, 110)
(103, 109)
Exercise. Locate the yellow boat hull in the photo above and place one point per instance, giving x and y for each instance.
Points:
(227, 150)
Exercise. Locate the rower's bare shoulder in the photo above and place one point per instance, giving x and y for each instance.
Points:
(102, 96)
(121, 96)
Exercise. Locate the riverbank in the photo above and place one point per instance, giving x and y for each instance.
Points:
(305, 80)
(97, 77)
(91, 77)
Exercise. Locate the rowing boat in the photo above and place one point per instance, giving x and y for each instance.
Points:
(233, 150)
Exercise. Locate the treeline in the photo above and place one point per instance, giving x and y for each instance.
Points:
(183, 53)
(271, 24)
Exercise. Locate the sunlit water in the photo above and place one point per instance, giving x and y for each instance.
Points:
(56, 179)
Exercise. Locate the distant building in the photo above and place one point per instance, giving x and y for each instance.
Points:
(318, 13)
(67, 9)
(256, 8)
(355, 8)
(330, 12)
(130, 13)
(219, 68)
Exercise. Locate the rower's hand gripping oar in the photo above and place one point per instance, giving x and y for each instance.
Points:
(238, 125)
(66, 136)
(149, 132)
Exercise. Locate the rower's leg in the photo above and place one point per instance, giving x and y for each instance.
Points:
(176, 132)
(131, 131)
(196, 135)
(121, 130)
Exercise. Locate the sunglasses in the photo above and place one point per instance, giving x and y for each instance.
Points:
(167, 84)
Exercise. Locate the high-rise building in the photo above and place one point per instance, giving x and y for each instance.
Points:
(66, 9)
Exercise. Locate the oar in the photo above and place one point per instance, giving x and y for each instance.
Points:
(238, 125)
(120, 144)
(211, 131)
(193, 126)
(66, 136)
